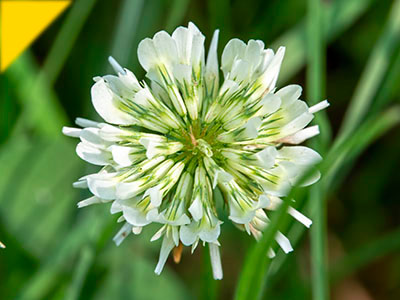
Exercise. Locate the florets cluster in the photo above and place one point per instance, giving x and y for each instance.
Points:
(174, 150)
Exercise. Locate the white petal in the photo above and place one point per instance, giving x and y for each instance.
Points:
(300, 217)
(158, 234)
(266, 157)
(183, 39)
(147, 54)
(155, 195)
(116, 207)
(126, 190)
(188, 234)
(182, 73)
(300, 155)
(271, 253)
(91, 136)
(175, 235)
(234, 49)
(196, 209)
(89, 201)
(86, 123)
(72, 132)
(80, 184)
(107, 105)
(136, 230)
(102, 186)
(153, 215)
(251, 128)
(115, 65)
(296, 124)
(166, 247)
(211, 72)
(239, 215)
(194, 245)
(240, 70)
(197, 53)
(292, 170)
(283, 242)
(311, 179)
(121, 156)
(215, 261)
(272, 72)
(210, 234)
(264, 201)
(253, 53)
(289, 94)
(222, 177)
(300, 136)
(165, 46)
(228, 87)
(135, 216)
(92, 154)
(319, 106)
(122, 234)
(270, 104)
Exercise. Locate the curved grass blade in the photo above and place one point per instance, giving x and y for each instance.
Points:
(373, 74)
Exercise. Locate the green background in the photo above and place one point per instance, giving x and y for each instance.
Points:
(345, 50)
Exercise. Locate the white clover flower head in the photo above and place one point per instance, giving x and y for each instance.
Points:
(168, 147)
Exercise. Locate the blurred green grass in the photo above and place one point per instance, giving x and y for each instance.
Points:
(55, 251)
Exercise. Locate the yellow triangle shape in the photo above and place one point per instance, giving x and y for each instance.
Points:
(22, 22)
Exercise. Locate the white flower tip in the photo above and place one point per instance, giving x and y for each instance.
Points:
(2, 245)
(89, 201)
(157, 235)
(70, 131)
(158, 271)
(283, 242)
(122, 234)
(215, 261)
(271, 253)
(300, 217)
(264, 201)
(302, 135)
(319, 106)
(81, 184)
(116, 66)
(136, 230)
(166, 247)
(281, 50)
(85, 122)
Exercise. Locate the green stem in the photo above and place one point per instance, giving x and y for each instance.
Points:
(315, 90)
(82, 268)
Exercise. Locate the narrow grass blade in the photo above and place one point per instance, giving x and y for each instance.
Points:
(125, 30)
(373, 74)
(65, 39)
(41, 109)
(90, 226)
(85, 260)
(337, 17)
(315, 90)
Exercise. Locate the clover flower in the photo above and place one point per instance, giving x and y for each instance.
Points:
(176, 148)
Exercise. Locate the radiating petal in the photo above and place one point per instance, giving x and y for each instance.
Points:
(108, 106)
